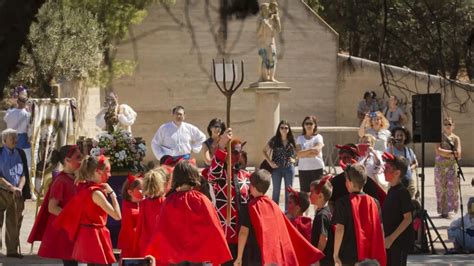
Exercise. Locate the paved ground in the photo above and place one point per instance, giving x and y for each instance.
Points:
(425, 259)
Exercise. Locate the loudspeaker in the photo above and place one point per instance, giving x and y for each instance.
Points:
(426, 118)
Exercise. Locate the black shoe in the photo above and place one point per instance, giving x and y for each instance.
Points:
(15, 255)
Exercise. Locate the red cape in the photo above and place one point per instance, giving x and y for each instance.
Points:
(128, 230)
(303, 225)
(149, 211)
(188, 230)
(280, 243)
(70, 217)
(41, 221)
(368, 229)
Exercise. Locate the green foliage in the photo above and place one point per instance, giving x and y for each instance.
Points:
(64, 43)
(427, 35)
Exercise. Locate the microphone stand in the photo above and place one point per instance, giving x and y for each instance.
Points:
(460, 175)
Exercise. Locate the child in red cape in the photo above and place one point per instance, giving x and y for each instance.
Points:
(298, 203)
(188, 229)
(132, 195)
(55, 243)
(154, 184)
(358, 235)
(270, 237)
(85, 216)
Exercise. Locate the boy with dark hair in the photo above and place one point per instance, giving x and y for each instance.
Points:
(298, 203)
(270, 241)
(397, 212)
(357, 221)
(322, 235)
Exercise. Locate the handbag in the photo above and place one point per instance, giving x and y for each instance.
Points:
(265, 165)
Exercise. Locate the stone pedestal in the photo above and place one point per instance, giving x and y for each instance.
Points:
(267, 115)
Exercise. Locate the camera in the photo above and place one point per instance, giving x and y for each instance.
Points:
(373, 115)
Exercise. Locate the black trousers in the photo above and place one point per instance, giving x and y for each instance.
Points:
(396, 256)
(308, 176)
(70, 263)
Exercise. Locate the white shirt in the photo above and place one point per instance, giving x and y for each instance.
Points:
(381, 138)
(18, 119)
(375, 170)
(173, 140)
(313, 163)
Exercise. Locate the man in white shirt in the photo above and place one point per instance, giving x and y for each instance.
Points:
(177, 138)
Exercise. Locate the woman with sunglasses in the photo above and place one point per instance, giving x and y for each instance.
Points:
(446, 181)
(280, 153)
(215, 129)
(309, 148)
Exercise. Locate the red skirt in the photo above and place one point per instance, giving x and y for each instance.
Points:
(55, 243)
(93, 245)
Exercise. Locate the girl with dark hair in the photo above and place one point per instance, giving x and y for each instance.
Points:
(85, 216)
(215, 129)
(398, 146)
(309, 147)
(187, 230)
(55, 243)
(280, 152)
(132, 195)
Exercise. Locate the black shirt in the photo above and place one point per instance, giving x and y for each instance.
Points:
(339, 187)
(322, 226)
(252, 249)
(398, 202)
(281, 155)
(343, 215)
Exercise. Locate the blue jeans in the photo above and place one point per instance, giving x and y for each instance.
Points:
(286, 173)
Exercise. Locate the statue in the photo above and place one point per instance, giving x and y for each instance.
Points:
(114, 115)
(268, 26)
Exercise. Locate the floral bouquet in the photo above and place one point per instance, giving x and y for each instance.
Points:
(125, 152)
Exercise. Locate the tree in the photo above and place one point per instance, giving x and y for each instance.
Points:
(429, 35)
(15, 20)
(64, 43)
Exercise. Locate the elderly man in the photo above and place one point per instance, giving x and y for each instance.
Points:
(14, 189)
(177, 138)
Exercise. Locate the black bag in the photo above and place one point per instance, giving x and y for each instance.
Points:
(265, 165)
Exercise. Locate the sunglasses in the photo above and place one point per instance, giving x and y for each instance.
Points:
(308, 124)
(284, 128)
(446, 124)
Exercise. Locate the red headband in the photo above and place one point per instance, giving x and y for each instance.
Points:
(172, 162)
(101, 160)
(295, 193)
(388, 156)
(131, 178)
(323, 182)
(343, 165)
(348, 148)
(71, 151)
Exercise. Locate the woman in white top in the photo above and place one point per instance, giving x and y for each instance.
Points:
(309, 147)
(376, 124)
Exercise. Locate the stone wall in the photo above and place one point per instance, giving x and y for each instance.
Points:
(356, 75)
(174, 50)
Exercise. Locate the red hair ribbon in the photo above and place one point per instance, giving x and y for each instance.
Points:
(348, 148)
(101, 160)
(172, 162)
(388, 156)
(131, 178)
(295, 193)
(71, 151)
(343, 165)
(323, 182)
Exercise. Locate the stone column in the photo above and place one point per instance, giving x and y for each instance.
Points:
(267, 115)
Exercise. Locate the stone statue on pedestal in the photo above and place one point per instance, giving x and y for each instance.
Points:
(268, 26)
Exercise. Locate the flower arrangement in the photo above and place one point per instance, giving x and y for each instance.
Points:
(125, 152)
